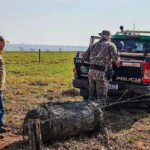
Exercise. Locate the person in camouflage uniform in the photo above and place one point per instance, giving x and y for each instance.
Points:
(100, 55)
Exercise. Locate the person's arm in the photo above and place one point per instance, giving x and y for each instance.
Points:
(114, 54)
(2, 75)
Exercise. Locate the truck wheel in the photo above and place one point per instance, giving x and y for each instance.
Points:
(84, 93)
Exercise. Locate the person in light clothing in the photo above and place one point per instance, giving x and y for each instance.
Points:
(2, 85)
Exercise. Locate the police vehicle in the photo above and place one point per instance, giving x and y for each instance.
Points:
(132, 78)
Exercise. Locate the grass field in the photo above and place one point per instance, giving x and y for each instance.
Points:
(30, 83)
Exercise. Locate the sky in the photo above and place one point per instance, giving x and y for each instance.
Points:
(69, 22)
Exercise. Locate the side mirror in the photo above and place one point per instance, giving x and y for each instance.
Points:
(93, 38)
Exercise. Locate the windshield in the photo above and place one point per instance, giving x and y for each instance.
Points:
(133, 46)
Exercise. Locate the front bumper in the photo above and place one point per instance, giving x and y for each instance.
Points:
(137, 89)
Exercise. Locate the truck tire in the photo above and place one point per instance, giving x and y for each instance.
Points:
(84, 93)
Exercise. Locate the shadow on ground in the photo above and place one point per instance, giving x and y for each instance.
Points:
(122, 117)
(19, 145)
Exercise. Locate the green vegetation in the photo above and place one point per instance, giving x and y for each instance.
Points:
(30, 82)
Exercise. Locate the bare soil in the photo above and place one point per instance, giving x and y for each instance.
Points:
(129, 130)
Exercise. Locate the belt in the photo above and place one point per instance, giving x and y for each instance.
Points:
(97, 67)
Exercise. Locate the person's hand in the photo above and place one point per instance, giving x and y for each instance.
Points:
(118, 63)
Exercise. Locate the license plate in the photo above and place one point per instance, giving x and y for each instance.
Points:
(113, 86)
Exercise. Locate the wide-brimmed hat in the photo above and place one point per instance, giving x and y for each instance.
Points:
(3, 39)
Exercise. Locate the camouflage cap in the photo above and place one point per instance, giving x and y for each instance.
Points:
(105, 32)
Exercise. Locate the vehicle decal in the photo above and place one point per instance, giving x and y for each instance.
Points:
(134, 80)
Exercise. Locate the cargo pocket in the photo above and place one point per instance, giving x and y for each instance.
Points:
(101, 75)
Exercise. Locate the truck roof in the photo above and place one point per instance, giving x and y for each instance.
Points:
(125, 37)
(129, 34)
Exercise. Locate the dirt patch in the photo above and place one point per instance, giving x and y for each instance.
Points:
(8, 139)
(39, 83)
(71, 92)
(129, 130)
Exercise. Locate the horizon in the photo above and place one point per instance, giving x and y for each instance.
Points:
(42, 47)
(44, 44)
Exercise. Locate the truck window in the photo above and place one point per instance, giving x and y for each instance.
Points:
(134, 46)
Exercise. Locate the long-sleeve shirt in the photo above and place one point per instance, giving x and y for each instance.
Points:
(102, 53)
(2, 74)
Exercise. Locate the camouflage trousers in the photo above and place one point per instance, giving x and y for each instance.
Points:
(98, 86)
